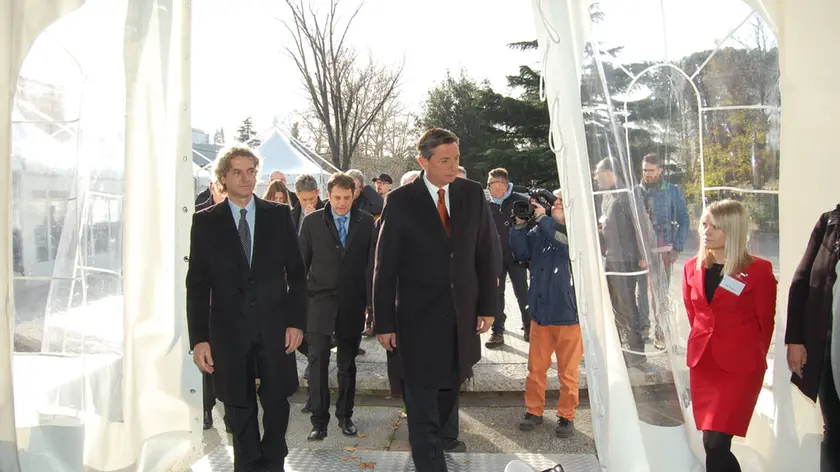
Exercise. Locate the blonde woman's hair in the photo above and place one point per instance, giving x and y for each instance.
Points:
(277, 186)
(222, 164)
(730, 217)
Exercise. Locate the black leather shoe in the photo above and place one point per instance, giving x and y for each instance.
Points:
(208, 420)
(454, 445)
(318, 433)
(347, 427)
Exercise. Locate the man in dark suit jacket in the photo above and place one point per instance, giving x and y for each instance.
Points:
(246, 301)
(335, 243)
(435, 253)
(451, 427)
(308, 199)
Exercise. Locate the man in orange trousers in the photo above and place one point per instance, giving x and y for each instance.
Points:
(542, 240)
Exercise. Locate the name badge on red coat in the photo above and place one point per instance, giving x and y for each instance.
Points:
(730, 284)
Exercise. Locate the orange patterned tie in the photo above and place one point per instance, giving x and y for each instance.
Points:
(441, 207)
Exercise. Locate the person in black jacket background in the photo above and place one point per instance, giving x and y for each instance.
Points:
(502, 199)
(812, 338)
(623, 255)
(308, 198)
(366, 197)
(209, 395)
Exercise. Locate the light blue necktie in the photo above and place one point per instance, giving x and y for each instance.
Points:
(342, 230)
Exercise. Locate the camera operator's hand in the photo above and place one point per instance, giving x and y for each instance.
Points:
(519, 221)
(539, 210)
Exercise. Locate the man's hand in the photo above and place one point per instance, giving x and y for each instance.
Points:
(797, 356)
(643, 264)
(294, 337)
(539, 210)
(309, 209)
(202, 357)
(484, 324)
(519, 220)
(388, 341)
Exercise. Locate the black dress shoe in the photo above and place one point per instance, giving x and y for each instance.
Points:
(347, 427)
(318, 433)
(454, 445)
(208, 420)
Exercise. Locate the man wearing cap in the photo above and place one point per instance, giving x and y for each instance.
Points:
(365, 197)
(384, 183)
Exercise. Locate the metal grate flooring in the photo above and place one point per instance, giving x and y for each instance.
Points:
(302, 460)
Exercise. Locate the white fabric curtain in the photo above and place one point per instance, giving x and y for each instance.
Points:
(810, 73)
(144, 413)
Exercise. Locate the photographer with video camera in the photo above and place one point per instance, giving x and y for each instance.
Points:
(502, 200)
(543, 241)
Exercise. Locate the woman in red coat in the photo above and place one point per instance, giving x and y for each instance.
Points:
(730, 298)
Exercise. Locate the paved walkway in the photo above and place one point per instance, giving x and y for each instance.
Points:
(499, 370)
(489, 425)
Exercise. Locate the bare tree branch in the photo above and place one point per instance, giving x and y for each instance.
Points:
(345, 95)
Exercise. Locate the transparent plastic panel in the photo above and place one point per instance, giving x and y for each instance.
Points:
(635, 278)
(742, 71)
(741, 148)
(68, 185)
(696, 87)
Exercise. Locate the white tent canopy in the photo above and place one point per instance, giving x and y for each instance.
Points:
(280, 153)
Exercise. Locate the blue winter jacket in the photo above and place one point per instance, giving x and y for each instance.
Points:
(551, 293)
(668, 213)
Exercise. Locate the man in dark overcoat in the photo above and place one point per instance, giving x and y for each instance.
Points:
(434, 254)
(246, 309)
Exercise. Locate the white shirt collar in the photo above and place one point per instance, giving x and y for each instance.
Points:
(249, 206)
(433, 188)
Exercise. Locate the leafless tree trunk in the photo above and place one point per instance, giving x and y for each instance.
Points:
(390, 135)
(345, 95)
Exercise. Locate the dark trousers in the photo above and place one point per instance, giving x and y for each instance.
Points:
(519, 280)
(449, 431)
(209, 395)
(428, 409)
(452, 426)
(625, 310)
(249, 452)
(319, 389)
(830, 406)
(643, 296)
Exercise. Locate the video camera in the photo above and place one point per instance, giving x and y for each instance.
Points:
(525, 210)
